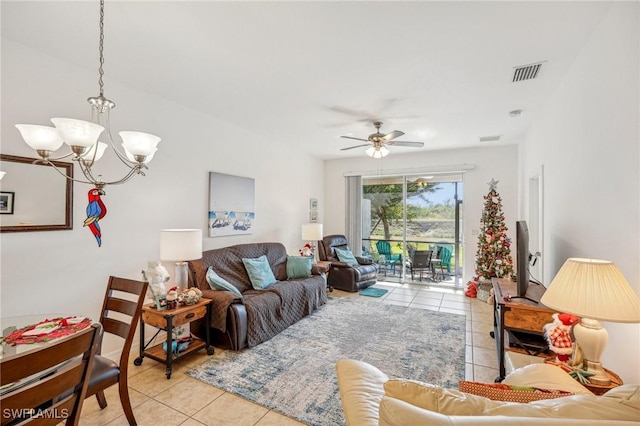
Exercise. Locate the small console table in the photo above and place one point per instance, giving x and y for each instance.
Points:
(518, 322)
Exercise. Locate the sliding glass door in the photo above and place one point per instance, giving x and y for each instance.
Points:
(402, 215)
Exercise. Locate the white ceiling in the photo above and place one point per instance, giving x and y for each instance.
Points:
(303, 73)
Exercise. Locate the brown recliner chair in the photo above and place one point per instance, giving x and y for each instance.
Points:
(341, 275)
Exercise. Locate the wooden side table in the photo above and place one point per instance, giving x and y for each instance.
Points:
(167, 320)
(324, 266)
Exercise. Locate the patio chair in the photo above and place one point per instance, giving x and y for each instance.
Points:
(384, 249)
(421, 262)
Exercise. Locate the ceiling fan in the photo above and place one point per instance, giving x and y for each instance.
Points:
(378, 142)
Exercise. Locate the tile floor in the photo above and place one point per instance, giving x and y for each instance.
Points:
(189, 402)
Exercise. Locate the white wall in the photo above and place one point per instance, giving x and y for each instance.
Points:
(65, 271)
(498, 162)
(587, 138)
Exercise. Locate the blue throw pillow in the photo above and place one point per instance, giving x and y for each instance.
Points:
(259, 272)
(346, 256)
(216, 282)
(299, 267)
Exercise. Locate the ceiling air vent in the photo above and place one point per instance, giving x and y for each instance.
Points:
(495, 138)
(526, 72)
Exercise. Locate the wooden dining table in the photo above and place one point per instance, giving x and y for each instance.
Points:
(21, 334)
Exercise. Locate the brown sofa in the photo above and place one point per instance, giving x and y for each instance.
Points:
(341, 275)
(260, 314)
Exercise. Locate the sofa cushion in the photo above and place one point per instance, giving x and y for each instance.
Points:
(438, 399)
(360, 386)
(299, 267)
(346, 256)
(612, 407)
(259, 272)
(216, 282)
(547, 376)
(502, 392)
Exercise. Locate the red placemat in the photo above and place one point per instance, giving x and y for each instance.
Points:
(65, 328)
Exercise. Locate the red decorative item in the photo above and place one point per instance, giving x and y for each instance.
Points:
(65, 327)
(96, 210)
(559, 337)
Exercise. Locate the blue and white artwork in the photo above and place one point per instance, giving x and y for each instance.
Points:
(231, 205)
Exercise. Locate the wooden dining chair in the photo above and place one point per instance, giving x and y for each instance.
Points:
(106, 372)
(47, 385)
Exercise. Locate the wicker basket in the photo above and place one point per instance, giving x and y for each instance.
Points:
(484, 290)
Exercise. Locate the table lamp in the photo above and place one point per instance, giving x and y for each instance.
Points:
(312, 232)
(594, 290)
(181, 245)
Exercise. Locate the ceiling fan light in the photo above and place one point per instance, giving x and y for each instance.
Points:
(78, 132)
(40, 137)
(371, 151)
(384, 151)
(138, 143)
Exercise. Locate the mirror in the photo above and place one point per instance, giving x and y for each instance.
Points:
(35, 197)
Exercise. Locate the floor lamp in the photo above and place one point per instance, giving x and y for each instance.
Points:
(312, 232)
(594, 290)
(181, 245)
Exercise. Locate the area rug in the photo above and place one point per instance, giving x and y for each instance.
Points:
(294, 372)
(373, 292)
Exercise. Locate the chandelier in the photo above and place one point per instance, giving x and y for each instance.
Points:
(82, 137)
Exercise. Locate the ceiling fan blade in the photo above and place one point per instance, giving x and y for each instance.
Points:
(358, 139)
(352, 147)
(392, 135)
(410, 144)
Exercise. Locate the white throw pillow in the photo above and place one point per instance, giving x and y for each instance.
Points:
(545, 376)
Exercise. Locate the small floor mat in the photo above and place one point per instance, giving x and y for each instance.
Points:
(373, 292)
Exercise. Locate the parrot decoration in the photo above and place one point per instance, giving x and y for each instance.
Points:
(96, 210)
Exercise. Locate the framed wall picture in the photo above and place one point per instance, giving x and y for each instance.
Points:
(7, 200)
(313, 216)
(313, 204)
(231, 205)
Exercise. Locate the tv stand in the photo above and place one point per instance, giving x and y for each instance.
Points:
(518, 322)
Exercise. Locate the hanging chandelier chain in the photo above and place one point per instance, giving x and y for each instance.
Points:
(101, 48)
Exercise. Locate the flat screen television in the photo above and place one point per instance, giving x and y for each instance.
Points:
(522, 257)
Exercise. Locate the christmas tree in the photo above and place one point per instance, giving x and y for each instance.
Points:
(493, 257)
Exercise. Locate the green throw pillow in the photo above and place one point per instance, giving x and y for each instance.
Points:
(346, 256)
(259, 272)
(216, 282)
(299, 267)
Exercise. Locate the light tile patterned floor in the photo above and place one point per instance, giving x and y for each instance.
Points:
(189, 402)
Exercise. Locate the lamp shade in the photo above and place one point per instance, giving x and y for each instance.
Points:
(312, 231)
(139, 143)
(595, 289)
(40, 137)
(77, 132)
(180, 244)
(88, 155)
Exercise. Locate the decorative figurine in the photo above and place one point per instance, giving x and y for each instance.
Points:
(96, 210)
(558, 335)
